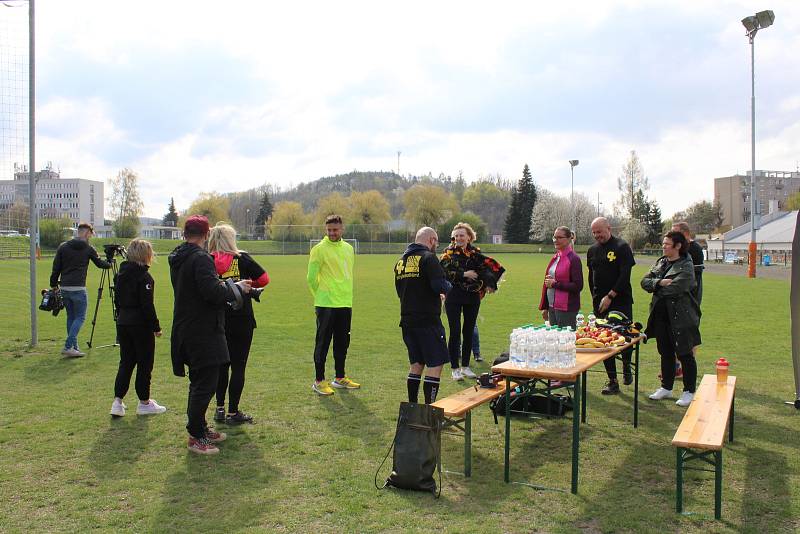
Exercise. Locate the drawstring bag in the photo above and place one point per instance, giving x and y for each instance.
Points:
(417, 448)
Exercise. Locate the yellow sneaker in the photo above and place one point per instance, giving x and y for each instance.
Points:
(323, 388)
(345, 383)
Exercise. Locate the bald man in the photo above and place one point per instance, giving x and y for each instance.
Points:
(421, 285)
(610, 261)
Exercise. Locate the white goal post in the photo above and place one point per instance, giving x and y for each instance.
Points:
(353, 242)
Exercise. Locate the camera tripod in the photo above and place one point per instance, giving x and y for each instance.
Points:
(107, 277)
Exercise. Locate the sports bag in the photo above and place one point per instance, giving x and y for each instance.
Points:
(417, 448)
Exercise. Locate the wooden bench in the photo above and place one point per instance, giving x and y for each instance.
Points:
(458, 411)
(701, 434)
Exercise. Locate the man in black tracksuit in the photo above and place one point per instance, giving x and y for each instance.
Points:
(420, 283)
(610, 261)
(70, 267)
(198, 328)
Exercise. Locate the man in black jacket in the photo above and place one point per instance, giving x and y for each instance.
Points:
(610, 261)
(71, 265)
(420, 283)
(198, 328)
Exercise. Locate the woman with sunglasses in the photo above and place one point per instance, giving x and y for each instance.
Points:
(563, 282)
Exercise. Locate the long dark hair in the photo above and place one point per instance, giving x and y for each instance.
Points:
(678, 238)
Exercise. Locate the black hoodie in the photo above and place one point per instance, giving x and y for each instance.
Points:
(198, 321)
(419, 280)
(133, 296)
(72, 262)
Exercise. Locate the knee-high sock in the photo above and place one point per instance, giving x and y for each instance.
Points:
(430, 388)
(413, 387)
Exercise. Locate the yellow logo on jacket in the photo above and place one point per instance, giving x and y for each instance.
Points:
(611, 256)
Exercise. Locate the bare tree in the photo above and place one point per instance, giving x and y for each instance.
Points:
(631, 181)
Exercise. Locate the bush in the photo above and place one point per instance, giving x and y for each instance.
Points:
(53, 232)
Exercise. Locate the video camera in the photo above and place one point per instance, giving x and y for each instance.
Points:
(52, 301)
(114, 249)
(239, 295)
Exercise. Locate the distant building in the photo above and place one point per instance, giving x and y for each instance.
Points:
(773, 237)
(75, 198)
(773, 188)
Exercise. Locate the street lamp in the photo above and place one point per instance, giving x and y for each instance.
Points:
(753, 23)
(247, 221)
(572, 164)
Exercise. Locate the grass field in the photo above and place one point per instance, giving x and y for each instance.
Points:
(308, 463)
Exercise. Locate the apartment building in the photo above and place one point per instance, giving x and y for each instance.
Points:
(773, 188)
(76, 198)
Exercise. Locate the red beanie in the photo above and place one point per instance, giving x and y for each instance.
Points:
(196, 225)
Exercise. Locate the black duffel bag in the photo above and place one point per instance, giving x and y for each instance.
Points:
(417, 447)
(557, 406)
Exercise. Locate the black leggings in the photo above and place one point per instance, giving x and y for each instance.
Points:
(666, 348)
(202, 382)
(137, 348)
(460, 338)
(239, 340)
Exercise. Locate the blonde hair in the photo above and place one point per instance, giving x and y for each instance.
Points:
(140, 251)
(467, 228)
(222, 238)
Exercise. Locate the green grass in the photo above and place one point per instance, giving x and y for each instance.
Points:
(308, 463)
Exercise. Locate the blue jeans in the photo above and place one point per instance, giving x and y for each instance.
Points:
(75, 302)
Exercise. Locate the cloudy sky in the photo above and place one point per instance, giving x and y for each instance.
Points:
(224, 96)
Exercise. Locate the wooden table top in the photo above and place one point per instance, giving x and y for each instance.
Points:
(461, 402)
(584, 361)
(706, 419)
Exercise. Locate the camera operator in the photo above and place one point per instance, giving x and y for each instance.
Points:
(70, 266)
(198, 328)
(137, 328)
(235, 264)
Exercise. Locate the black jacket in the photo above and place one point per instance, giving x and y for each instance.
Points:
(419, 280)
(680, 313)
(72, 262)
(610, 267)
(133, 296)
(198, 321)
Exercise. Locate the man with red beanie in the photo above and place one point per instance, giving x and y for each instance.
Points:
(198, 327)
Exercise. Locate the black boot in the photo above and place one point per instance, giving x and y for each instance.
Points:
(612, 388)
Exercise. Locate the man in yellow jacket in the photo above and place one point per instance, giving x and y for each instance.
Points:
(330, 279)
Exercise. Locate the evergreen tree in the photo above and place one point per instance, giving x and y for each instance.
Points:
(264, 214)
(523, 199)
(654, 223)
(171, 217)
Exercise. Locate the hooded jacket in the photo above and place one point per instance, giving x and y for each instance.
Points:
(680, 309)
(419, 280)
(133, 296)
(72, 262)
(198, 321)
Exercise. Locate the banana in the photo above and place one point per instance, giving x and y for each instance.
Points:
(585, 341)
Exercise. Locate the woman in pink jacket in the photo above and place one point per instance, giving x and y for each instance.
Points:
(563, 282)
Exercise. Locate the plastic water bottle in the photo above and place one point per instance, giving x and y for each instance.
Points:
(579, 320)
(592, 320)
(570, 352)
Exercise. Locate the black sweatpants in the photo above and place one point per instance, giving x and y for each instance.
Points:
(332, 323)
(666, 348)
(137, 348)
(460, 338)
(202, 384)
(239, 337)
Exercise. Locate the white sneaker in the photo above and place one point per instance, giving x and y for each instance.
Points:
(151, 408)
(73, 353)
(457, 374)
(117, 408)
(685, 400)
(661, 393)
(467, 372)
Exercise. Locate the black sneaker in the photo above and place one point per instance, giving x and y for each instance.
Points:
(219, 414)
(478, 358)
(612, 388)
(238, 418)
(627, 379)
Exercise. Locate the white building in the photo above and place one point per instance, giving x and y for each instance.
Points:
(773, 237)
(76, 198)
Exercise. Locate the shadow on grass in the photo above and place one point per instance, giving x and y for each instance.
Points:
(766, 506)
(351, 416)
(52, 369)
(116, 451)
(225, 492)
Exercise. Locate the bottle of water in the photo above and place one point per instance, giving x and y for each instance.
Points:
(592, 320)
(562, 347)
(513, 347)
(571, 348)
(579, 320)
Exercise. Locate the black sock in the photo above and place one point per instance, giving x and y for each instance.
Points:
(413, 387)
(430, 388)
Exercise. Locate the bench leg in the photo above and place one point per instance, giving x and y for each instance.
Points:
(718, 484)
(636, 388)
(679, 481)
(468, 444)
(576, 429)
(730, 424)
(583, 398)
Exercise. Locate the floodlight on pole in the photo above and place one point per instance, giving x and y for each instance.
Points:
(753, 23)
(572, 164)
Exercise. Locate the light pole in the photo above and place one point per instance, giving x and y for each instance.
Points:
(753, 23)
(247, 221)
(572, 164)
